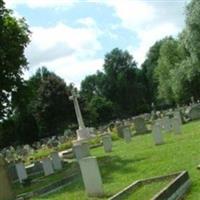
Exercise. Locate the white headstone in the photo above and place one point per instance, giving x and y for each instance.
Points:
(157, 134)
(177, 114)
(176, 125)
(166, 124)
(56, 161)
(91, 176)
(107, 143)
(81, 150)
(47, 166)
(127, 134)
(21, 171)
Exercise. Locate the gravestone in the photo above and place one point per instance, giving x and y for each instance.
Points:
(194, 112)
(127, 134)
(56, 161)
(119, 129)
(166, 123)
(47, 166)
(91, 176)
(177, 114)
(176, 125)
(157, 134)
(21, 171)
(107, 143)
(81, 150)
(6, 192)
(140, 126)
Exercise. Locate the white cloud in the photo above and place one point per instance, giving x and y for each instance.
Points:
(40, 3)
(149, 21)
(149, 37)
(68, 51)
(133, 14)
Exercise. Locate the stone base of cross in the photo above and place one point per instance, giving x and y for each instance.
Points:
(82, 134)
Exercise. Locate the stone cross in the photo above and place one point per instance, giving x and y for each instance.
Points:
(79, 117)
(82, 132)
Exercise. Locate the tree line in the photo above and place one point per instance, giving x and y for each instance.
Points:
(40, 107)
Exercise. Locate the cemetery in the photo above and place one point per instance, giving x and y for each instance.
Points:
(134, 166)
(130, 130)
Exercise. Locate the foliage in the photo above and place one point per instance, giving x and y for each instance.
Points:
(14, 36)
(148, 70)
(168, 62)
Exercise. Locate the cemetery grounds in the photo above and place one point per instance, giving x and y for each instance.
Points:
(141, 159)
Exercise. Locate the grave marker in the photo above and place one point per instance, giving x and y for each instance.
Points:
(47, 166)
(21, 171)
(91, 176)
(157, 134)
(56, 161)
(107, 143)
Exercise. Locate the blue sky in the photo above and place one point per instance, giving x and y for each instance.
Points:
(71, 37)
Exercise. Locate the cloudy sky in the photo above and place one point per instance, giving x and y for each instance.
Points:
(71, 37)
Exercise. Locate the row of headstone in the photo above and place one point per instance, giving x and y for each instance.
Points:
(48, 166)
(165, 125)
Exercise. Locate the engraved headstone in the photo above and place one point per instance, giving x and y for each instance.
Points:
(157, 134)
(56, 161)
(140, 126)
(21, 171)
(47, 166)
(107, 143)
(91, 176)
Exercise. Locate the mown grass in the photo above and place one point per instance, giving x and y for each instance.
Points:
(142, 159)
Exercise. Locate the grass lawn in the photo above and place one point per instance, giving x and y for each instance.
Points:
(142, 159)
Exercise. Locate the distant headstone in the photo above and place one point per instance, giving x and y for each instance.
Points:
(194, 112)
(176, 125)
(119, 129)
(166, 124)
(107, 143)
(127, 134)
(91, 176)
(47, 166)
(177, 114)
(140, 126)
(157, 134)
(6, 192)
(21, 171)
(56, 161)
(81, 150)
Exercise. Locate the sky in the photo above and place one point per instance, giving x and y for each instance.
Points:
(71, 37)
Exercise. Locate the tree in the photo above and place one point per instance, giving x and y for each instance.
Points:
(53, 109)
(190, 65)
(168, 63)
(148, 69)
(14, 37)
(122, 84)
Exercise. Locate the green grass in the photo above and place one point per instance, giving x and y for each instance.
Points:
(147, 191)
(142, 159)
(42, 181)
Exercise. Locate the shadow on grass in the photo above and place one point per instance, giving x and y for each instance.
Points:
(114, 164)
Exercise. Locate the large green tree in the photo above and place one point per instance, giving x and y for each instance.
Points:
(148, 69)
(123, 85)
(168, 64)
(14, 37)
(53, 109)
(190, 66)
